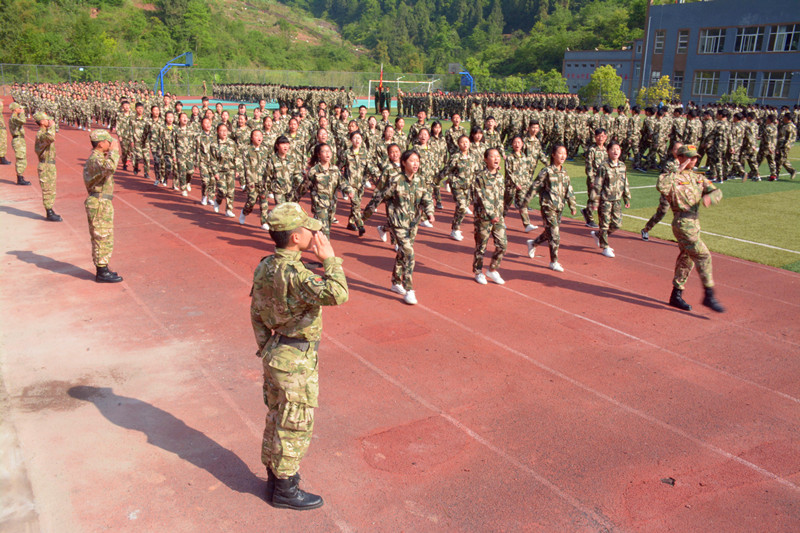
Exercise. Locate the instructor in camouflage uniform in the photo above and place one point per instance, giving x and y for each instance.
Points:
(16, 124)
(98, 176)
(286, 314)
(685, 190)
(46, 152)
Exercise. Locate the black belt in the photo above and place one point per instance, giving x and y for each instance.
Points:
(298, 344)
(102, 195)
(689, 214)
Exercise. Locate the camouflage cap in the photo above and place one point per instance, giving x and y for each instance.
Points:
(289, 216)
(14, 106)
(40, 116)
(688, 150)
(101, 135)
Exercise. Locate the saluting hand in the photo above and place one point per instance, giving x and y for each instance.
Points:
(321, 246)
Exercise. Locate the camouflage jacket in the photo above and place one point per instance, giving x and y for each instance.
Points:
(354, 167)
(737, 135)
(684, 191)
(693, 132)
(168, 147)
(461, 169)
(750, 143)
(769, 139)
(282, 173)
(155, 128)
(16, 124)
(613, 180)
(185, 144)
(487, 195)
(533, 149)
(45, 146)
(405, 199)
(720, 138)
(98, 172)
(139, 129)
(554, 189)
(787, 135)
(452, 136)
(287, 298)
(224, 156)
(519, 170)
(203, 144)
(255, 164)
(595, 158)
(428, 158)
(323, 184)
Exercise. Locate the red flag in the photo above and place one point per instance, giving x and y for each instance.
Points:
(380, 83)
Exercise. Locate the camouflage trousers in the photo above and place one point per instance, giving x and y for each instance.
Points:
(3, 141)
(140, 157)
(159, 176)
(551, 234)
(717, 165)
(291, 391)
(125, 149)
(323, 209)
(748, 158)
(516, 197)
(693, 251)
(184, 173)
(461, 198)
(483, 230)
(100, 213)
(782, 161)
(20, 154)
(257, 194)
(226, 187)
(47, 180)
(355, 207)
(593, 193)
(168, 168)
(404, 260)
(209, 183)
(764, 153)
(610, 214)
(735, 166)
(663, 207)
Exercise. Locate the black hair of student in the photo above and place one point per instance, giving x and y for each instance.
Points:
(221, 124)
(554, 149)
(139, 104)
(405, 156)
(436, 123)
(486, 152)
(598, 131)
(612, 143)
(317, 151)
(356, 132)
(282, 238)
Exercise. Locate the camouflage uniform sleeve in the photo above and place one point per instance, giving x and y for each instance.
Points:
(570, 197)
(626, 190)
(710, 190)
(329, 289)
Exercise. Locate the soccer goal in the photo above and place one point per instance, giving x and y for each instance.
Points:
(425, 86)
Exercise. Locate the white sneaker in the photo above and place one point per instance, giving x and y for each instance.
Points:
(213, 203)
(334, 220)
(480, 278)
(396, 247)
(426, 224)
(596, 238)
(468, 211)
(410, 298)
(382, 234)
(556, 266)
(241, 218)
(368, 184)
(608, 252)
(265, 226)
(531, 248)
(157, 183)
(494, 275)
(175, 186)
(229, 214)
(398, 289)
(271, 196)
(189, 187)
(184, 193)
(204, 201)
(448, 188)
(456, 235)
(530, 227)
(244, 187)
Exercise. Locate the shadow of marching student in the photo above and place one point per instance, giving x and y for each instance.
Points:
(53, 265)
(173, 435)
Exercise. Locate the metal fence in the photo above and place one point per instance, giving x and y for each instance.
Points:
(189, 81)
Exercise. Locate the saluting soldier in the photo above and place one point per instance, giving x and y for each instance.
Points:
(45, 148)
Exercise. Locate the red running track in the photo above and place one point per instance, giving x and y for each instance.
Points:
(558, 402)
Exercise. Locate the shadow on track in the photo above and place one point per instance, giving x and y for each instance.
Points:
(20, 213)
(173, 435)
(53, 265)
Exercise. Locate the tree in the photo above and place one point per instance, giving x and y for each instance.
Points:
(662, 91)
(547, 82)
(737, 97)
(604, 88)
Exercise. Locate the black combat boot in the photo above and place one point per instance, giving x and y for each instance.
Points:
(676, 300)
(4, 161)
(361, 231)
(52, 216)
(104, 275)
(288, 495)
(351, 226)
(270, 485)
(711, 301)
(22, 181)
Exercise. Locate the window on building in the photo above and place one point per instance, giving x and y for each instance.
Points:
(637, 72)
(712, 41)
(658, 43)
(683, 42)
(750, 39)
(706, 83)
(639, 48)
(742, 79)
(785, 38)
(776, 84)
(677, 81)
(655, 76)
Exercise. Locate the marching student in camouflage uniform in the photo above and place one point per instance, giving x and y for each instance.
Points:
(168, 149)
(124, 132)
(787, 136)
(354, 164)
(769, 143)
(16, 125)
(487, 195)
(202, 149)
(255, 166)
(413, 131)
(594, 158)
(750, 147)
(439, 147)
(519, 171)
(283, 170)
(718, 147)
(286, 316)
(98, 176)
(3, 138)
(632, 140)
(555, 192)
(460, 172)
(455, 132)
(685, 190)
(241, 134)
(407, 197)
(612, 179)
(139, 130)
(224, 167)
(663, 204)
(155, 131)
(185, 154)
(323, 180)
(46, 152)
(735, 150)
